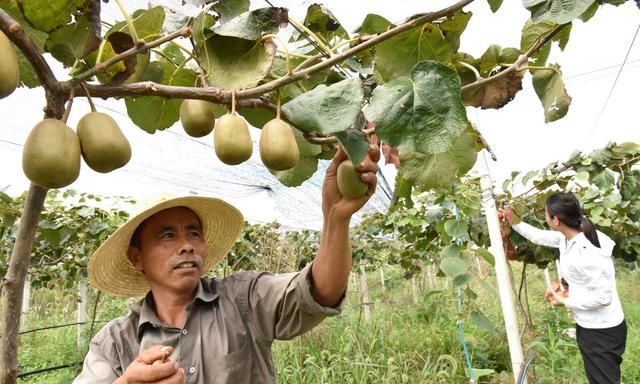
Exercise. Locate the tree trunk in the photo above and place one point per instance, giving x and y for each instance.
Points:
(13, 283)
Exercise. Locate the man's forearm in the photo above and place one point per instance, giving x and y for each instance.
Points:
(332, 264)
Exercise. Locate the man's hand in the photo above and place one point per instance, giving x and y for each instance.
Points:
(332, 201)
(146, 369)
(506, 216)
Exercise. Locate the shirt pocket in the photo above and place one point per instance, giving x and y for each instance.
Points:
(234, 368)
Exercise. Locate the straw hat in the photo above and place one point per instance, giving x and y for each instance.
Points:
(110, 269)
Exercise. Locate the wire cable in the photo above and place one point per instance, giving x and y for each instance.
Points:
(595, 124)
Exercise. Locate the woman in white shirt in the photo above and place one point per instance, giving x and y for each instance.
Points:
(587, 266)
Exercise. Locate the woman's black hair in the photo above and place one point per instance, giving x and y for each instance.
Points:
(566, 207)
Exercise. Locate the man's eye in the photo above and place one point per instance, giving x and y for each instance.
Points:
(167, 235)
(196, 234)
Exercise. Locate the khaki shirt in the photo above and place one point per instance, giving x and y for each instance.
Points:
(227, 337)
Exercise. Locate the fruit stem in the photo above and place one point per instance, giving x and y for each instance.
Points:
(278, 105)
(67, 110)
(89, 99)
(233, 101)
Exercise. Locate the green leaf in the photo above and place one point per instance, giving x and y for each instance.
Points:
(453, 266)
(590, 12)
(234, 63)
(173, 51)
(295, 176)
(326, 109)
(202, 29)
(556, 11)
(489, 60)
(550, 89)
(531, 33)
(439, 170)
(153, 113)
(451, 250)
(423, 113)
(354, 143)
(482, 321)
(257, 117)
(487, 256)
(604, 180)
(453, 26)
(463, 279)
(398, 56)
(50, 14)
(27, 74)
(147, 22)
(373, 24)
(456, 228)
(228, 9)
(251, 25)
(304, 146)
(323, 23)
(494, 5)
(68, 43)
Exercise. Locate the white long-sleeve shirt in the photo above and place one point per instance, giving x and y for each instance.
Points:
(593, 297)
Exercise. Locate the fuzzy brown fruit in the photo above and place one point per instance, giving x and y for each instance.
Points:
(51, 154)
(278, 147)
(104, 146)
(231, 139)
(349, 183)
(9, 70)
(196, 117)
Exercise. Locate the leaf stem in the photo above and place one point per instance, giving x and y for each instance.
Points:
(127, 16)
(471, 67)
(314, 36)
(284, 45)
(537, 68)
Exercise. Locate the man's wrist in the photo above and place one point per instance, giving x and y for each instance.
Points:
(121, 380)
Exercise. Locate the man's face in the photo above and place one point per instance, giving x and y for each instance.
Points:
(171, 250)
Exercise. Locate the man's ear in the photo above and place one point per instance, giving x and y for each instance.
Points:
(134, 256)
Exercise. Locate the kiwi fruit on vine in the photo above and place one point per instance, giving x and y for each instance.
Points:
(9, 71)
(231, 139)
(104, 146)
(349, 183)
(51, 154)
(278, 147)
(196, 117)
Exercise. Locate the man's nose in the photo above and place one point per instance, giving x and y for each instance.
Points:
(186, 244)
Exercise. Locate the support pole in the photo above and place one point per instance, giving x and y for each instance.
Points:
(505, 288)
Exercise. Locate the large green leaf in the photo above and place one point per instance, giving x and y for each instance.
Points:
(153, 113)
(495, 5)
(234, 63)
(422, 114)
(453, 27)
(453, 266)
(439, 170)
(323, 23)
(550, 89)
(373, 24)
(326, 109)
(533, 32)
(147, 22)
(354, 143)
(396, 57)
(68, 43)
(556, 11)
(228, 9)
(50, 14)
(27, 75)
(295, 176)
(256, 117)
(251, 25)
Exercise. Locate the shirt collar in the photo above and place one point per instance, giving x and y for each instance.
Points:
(145, 308)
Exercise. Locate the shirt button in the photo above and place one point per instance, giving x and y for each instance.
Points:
(192, 369)
(184, 332)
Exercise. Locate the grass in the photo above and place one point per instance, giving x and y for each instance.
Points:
(412, 337)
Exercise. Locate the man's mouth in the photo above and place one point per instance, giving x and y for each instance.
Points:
(186, 264)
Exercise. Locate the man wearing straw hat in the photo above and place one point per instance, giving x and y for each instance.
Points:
(190, 329)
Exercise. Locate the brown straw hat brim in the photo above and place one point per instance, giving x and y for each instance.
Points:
(110, 269)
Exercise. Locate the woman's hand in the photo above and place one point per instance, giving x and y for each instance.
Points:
(555, 294)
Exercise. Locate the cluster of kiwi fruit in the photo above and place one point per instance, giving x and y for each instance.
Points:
(278, 147)
(231, 140)
(52, 152)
